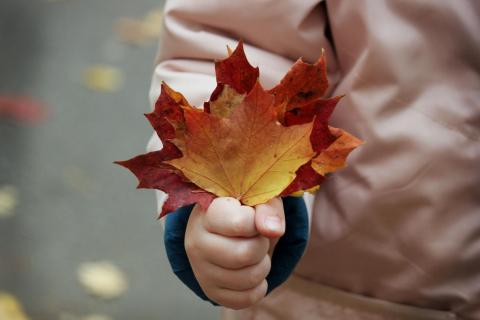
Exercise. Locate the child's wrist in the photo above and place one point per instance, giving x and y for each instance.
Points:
(286, 255)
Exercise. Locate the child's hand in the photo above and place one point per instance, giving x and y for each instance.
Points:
(228, 247)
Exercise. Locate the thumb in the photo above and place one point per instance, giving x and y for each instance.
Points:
(270, 218)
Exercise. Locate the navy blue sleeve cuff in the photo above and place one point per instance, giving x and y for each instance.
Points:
(287, 253)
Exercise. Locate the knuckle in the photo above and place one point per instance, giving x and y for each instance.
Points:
(258, 293)
(239, 224)
(245, 254)
(216, 297)
(255, 278)
(262, 244)
(245, 300)
(209, 222)
(237, 303)
(238, 300)
(265, 267)
(259, 272)
(261, 291)
(248, 299)
(251, 251)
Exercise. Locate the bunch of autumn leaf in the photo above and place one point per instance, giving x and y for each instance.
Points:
(247, 143)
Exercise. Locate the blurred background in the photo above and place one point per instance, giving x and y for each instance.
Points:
(77, 241)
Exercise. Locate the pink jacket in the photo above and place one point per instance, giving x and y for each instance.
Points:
(396, 235)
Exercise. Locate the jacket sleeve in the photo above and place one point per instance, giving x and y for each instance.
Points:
(275, 34)
(195, 33)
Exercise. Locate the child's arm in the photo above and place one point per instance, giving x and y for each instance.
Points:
(228, 248)
(275, 34)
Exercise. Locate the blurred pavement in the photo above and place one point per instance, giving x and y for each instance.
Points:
(74, 205)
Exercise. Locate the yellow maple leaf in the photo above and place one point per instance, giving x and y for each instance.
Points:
(256, 157)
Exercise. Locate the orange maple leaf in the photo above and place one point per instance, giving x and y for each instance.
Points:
(246, 143)
(247, 155)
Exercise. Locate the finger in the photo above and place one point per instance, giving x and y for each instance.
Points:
(231, 253)
(238, 299)
(270, 218)
(227, 217)
(273, 244)
(239, 279)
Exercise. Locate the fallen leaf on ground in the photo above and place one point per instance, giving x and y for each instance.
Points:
(22, 109)
(97, 317)
(67, 316)
(8, 201)
(78, 179)
(152, 23)
(140, 32)
(102, 279)
(248, 143)
(103, 78)
(10, 308)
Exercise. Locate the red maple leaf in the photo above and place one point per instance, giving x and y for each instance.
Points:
(247, 143)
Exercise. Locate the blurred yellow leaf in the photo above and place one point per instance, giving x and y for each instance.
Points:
(97, 317)
(94, 316)
(10, 308)
(79, 179)
(102, 279)
(140, 32)
(103, 78)
(152, 23)
(8, 201)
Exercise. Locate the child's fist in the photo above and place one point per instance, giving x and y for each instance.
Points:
(228, 247)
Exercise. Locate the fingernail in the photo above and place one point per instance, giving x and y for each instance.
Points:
(272, 223)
